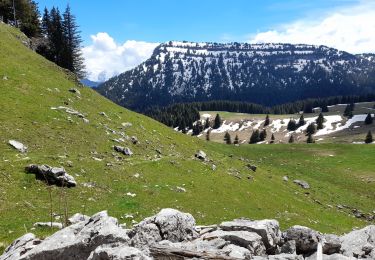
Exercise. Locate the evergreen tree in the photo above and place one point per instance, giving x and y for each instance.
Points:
(254, 137)
(368, 120)
(263, 135)
(310, 139)
(311, 129)
(227, 138)
(291, 139)
(197, 128)
(72, 55)
(369, 139)
(292, 125)
(208, 135)
(267, 121)
(236, 140)
(324, 108)
(207, 123)
(272, 139)
(348, 112)
(320, 121)
(217, 122)
(56, 37)
(301, 121)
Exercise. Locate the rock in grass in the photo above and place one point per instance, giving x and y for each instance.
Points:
(303, 184)
(123, 150)
(48, 224)
(51, 175)
(201, 155)
(18, 146)
(74, 90)
(306, 239)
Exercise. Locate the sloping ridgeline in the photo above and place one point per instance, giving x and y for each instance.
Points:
(267, 74)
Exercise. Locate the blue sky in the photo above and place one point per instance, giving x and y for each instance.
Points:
(120, 34)
(192, 20)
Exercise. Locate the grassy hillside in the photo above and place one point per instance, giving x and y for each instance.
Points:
(162, 161)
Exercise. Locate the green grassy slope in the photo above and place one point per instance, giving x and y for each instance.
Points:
(34, 85)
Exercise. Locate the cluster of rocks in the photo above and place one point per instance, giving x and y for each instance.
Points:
(171, 234)
(51, 175)
(123, 150)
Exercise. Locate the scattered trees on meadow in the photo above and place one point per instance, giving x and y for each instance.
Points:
(292, 125)
(301, 121)
(263, 135)
(348, 112)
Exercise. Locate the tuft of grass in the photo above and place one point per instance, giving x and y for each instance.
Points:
(34, 85)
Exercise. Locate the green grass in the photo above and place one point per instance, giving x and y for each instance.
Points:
(211, 196)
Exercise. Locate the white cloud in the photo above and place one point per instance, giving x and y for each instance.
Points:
(105, 58)
(351, 29)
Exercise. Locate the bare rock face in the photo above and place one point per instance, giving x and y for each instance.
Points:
(52, 175)
(117, 252)
(269, 230)
(77, 241)
(168, 224)
(306, 239)
(359, 243)
(172, 234)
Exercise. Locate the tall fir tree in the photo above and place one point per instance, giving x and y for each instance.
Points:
(217, 122)
(348, 112)
(236, 140)
(310, 139)
(311, 129)
(207, 123)
(272, 139)
(263, 135)
(292, 125)
(254, 137)
(227, 138)
(267, 121)
(368, 120)
(208, 135)
(301, 121)
(72, 55)
(320, 121)
(369, 139)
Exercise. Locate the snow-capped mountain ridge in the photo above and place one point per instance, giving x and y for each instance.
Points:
(261, 73)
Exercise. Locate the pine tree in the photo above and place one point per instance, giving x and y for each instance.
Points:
(263, 135)
(292, 125)
(207, 123)
(368, 120)
(301, 121)
(217, 122)
(291, 139)
(208, 135)
(320, 121)
(272, 139)
(197, 128)
(311, 129)
(56, 37)
(236, 140)
(227, 138)
(310, 139)
(348, 111)
(369, 139)
(254, 137)
(267, 121)
(72, 56)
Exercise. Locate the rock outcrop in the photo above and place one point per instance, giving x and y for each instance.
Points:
(52, 175)
(172, 234)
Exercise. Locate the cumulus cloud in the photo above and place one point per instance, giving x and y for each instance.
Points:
(349, 29)
(104, 58)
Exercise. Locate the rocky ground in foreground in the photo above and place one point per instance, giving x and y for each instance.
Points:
(172, 234)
